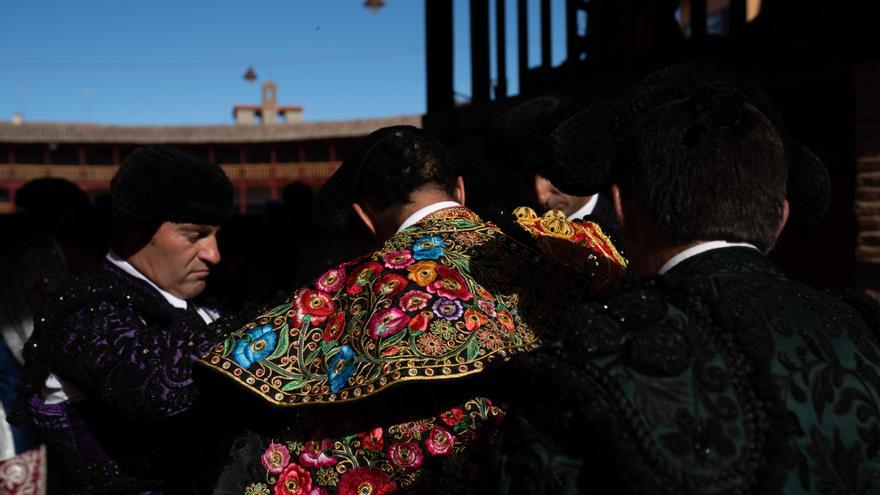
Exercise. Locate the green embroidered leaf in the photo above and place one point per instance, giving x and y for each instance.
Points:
(473, 349)
(283, 343)
(228, 344)
(394, 339)
(293, 385)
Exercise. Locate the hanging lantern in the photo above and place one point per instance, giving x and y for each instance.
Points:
(374, 5)
(250, 76)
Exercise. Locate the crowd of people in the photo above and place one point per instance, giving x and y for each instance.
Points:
(621, 331)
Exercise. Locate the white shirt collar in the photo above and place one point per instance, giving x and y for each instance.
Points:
(131, 270)
(423, 212)
(585, 210)
(700, 248)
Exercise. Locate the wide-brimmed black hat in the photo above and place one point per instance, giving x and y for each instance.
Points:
(159, 183)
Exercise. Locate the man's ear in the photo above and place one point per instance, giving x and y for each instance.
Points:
(618, 204)
(782, 222)
(365, 217)
(459, 190)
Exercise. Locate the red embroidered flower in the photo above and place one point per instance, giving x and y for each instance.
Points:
(387, 322)
(361, 277)
(332, 280)
(334, 327)
(390, 284)
(452, 417)
(275, 458)
(318, 305)
(397, 260)
(294, 481)
(420, 321)
(318, 455)
(372, 440)
(506, 319)
(414, 300)
(473, 319)
(366, 481)
(450, 285)
(405, 455)
(439, 441)
(482, 292)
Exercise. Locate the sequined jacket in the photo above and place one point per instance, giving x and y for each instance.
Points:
(383, 364)
(116, 339)
(721, 376)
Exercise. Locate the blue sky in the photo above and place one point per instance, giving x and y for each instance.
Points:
(181, 62)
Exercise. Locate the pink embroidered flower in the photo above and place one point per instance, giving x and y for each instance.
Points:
(372, 440)
(430, 344)
(318, 305)
(420, 321)
(390, 284)
(405, 455)
(276, 458)
(294, 481)
(398, 259)
(414, 300)
(487, 307)
(318, 491)
(387, 322)
(450, 285)
(332, 280)
(334, 327)
(316, 455)
(439, 441)
(365, 480)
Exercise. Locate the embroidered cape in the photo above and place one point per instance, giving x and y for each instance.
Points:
(439, 300)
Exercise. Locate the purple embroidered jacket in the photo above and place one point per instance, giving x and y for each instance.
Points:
(116, 339)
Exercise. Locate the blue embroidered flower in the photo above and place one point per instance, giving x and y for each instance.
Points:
(340, 368)
(255, 345)
(428, 248)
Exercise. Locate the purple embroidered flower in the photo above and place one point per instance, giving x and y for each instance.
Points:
(276, 458)
(398, 259)
(447, 308)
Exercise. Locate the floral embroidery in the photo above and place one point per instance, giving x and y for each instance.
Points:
(372, 440)
(405, 455)
(487, 307)
(473, 319)
(428, 248)
(398, 259)
(432, 345)
(390, 285)
(257, 489)
(335, 327)
(317, 305)
(361, 277)
(447, 308)
(439, 441)
(332, 280)
(340, 368)
(294, 481)
(316, 456)
(506, 319)
(420, 321)
(276, 458)
(387, 322)
(452, 417)
(422, 273)
(414, 300)
(366, 481)
(451, 285)
(256, 345)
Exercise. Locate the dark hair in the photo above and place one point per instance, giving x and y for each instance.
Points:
(520, 137)
(708, 166)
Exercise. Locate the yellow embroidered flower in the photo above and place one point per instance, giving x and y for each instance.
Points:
(423, 272)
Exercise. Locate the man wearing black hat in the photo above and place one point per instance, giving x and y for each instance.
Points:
(716, 373)
(384, 362)
(108, 373)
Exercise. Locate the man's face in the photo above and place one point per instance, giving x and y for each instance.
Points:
(178, 258)
(551, 198)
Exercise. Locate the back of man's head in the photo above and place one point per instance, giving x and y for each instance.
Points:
(707, 167)
(389, 166)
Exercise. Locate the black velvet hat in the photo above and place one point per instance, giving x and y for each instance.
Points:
(158, 183)
(587, 146)
(520, 137)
